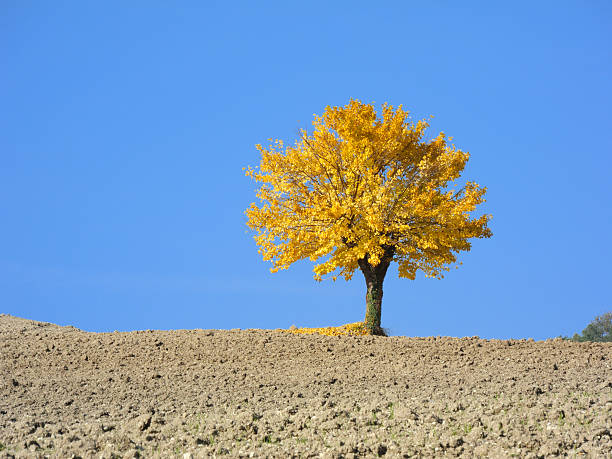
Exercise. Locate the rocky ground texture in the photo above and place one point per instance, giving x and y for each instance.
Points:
(263, 393)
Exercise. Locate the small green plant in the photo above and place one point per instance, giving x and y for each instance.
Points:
(374, 420)
(2, 447)
(585, 421)
(467, 428)
(391, 410)
(271, 441)
(198, 423)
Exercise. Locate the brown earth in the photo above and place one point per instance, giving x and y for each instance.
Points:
(264, 393)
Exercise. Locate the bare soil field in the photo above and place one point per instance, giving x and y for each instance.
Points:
(265, 393)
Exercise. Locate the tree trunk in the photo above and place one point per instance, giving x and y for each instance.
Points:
(373, 306)
(374, 277)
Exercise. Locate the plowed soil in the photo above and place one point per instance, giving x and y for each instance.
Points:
(264, 393)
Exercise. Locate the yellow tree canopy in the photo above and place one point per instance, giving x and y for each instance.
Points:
(365, 187)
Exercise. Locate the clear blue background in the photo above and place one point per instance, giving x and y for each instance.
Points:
(124, 128)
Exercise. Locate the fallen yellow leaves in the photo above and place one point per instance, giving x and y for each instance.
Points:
(354, 329)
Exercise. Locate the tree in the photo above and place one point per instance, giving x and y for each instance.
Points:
(360, 192)
(599, 330)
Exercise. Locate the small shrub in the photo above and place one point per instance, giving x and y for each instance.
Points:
(599, 330)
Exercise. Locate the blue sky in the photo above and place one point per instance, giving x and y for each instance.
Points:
(125, 127)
